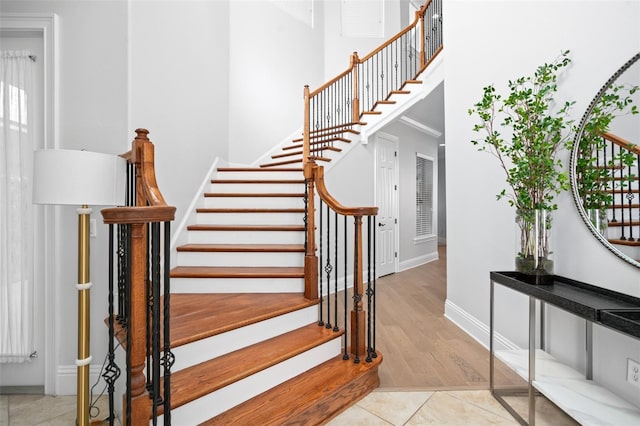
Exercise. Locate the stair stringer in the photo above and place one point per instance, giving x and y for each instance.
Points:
(431, 77)
(180, 233)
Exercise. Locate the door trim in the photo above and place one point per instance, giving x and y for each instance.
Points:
(45, 24)
(396, 178)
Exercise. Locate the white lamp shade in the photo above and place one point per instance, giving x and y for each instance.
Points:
(71, 177)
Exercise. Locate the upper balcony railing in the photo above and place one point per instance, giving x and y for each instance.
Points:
(339, 104)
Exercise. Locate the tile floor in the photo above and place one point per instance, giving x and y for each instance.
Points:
(380, 408)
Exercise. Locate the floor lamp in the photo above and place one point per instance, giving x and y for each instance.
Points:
(80, 178)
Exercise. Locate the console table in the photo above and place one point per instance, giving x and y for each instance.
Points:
(575, 393)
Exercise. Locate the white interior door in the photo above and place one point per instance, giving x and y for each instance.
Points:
(32, 373)
(387, 202)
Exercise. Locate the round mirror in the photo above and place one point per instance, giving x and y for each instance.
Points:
(605, 164)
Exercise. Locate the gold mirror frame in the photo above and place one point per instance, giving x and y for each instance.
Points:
(574, 161)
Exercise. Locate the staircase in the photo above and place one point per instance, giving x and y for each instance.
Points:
(256, 323)
(242, 331)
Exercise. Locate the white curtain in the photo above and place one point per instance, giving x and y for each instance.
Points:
(16, 216)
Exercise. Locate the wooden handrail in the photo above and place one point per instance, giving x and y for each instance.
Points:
(330, 82)
(130, 215)
(334, 204)
(622, 142)
(414, 24)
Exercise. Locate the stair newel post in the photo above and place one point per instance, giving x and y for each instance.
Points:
(420, 14)
(357, 313)
(137, 327)
(355, 103)
(310, 258)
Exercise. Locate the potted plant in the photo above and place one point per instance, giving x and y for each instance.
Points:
(537, 129)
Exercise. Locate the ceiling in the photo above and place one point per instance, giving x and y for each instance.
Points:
(429, 113)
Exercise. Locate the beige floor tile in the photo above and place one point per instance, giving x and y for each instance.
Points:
(481, 399)
(443, 409)
(394, 407)
(547, 413)
(357, 416)
(30, 410)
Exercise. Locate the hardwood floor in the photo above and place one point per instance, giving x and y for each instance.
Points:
(421, 348)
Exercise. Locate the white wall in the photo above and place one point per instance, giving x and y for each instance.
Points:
(339, 47)
(490, 42)
(273, 54)
(179, 89)
(92, 115)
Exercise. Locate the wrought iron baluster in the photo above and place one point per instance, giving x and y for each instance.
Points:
(622, 195)
(321, 320)
(375, 353)
(328, 268)
(345, 355)
(167, 357)
(612, 179)
(335, 274)
(369, 293)
(630, 197)
(112, 371)
(155, 319)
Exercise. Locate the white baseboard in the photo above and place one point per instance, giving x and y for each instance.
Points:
(66, 382)
(417, 261)
(475, 328)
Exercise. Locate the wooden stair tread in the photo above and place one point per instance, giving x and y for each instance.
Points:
(324, 141)
(625, 242)
(625, 223)
(258, 169)
(199, 380)
(314, 149)
(400, 92)
(237, 272)
(198, 316)
(312, 398)
(321, 133)
(242, 248)
(281, 163)
(372, 112)
(253, 194)
(245, 210)
(258, 181)
(245, 227)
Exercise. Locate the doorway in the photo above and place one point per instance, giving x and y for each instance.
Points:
(387, 201)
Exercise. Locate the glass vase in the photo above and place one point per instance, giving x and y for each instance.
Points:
(598, 218)
(534, 253)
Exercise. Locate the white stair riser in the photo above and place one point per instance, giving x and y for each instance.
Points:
(631, 251)
(239, 259)
(245, 237)
(249, 218)
(254, 202)
(237, 285)
(223, 399)
(242, 188)
(262, 175)
(214, 346)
